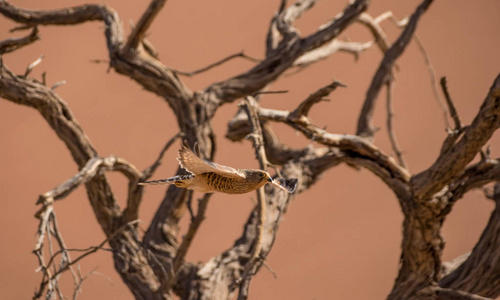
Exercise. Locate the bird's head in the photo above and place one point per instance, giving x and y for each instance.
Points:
(258, 177)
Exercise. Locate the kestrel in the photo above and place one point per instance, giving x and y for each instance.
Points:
(209, 177)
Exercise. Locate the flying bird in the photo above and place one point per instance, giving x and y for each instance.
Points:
(208, 177)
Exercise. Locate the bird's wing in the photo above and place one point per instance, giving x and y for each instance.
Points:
(196, 165)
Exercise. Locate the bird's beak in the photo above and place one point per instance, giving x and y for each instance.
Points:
(269, 179)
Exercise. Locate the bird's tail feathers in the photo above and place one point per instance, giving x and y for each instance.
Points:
(177, 180)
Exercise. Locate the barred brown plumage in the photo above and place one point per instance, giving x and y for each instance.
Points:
(209, 177)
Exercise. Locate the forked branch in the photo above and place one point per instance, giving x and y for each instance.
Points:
(384, 72)
(137, 34)
(448, 166)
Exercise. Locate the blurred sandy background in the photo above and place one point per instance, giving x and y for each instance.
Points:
(341, 239)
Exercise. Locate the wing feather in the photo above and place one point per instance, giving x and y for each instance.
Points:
(196, 165)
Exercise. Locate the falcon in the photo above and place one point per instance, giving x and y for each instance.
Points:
(208, 177)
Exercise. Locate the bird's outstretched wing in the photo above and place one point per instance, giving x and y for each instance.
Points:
(196, 165)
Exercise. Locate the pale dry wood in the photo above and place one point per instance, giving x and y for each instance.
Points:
(377, 31)
(330, 48)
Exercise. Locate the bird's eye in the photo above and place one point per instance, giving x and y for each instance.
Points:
(262, 175)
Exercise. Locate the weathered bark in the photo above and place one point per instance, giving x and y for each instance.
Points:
(154, 266)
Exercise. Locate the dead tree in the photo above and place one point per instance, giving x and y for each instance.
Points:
(153, 266)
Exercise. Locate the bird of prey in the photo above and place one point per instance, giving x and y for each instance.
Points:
(208, 177)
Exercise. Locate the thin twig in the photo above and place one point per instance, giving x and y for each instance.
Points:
(33, 65)
(189, 236)
(217, 63)
(99, 61)
(269, 92)
(38, 251)
(148, 172)
(390, 127)
(432, 75)
(57, 84)
(65, 258)
(79, 284)
(307, 104)
(249, 105)
(92, 250)
(268, 267)
(330, 48)
(453, 134)
(21, 28)
(451, 106)
(13, 44)
(365, 126)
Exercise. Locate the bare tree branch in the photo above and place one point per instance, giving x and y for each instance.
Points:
(448, 166)
(273, 35)
(365, 127)
(327, 50)
(390, 127)
(148, 72)
(249, 105)
(432, 75)
(189, 236)
(217, 63)
(92, 250)
(30, 92)
(471, 276)
(9, 45)
(287, 16)
(314, 98)
(155, 266)
(111, 163)
(376, 30)
(475, 176)
(451, 106)
(428, 64)
(148, 172)
(32, 66)
(290, 48)
(137, 34)
(380, 164)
